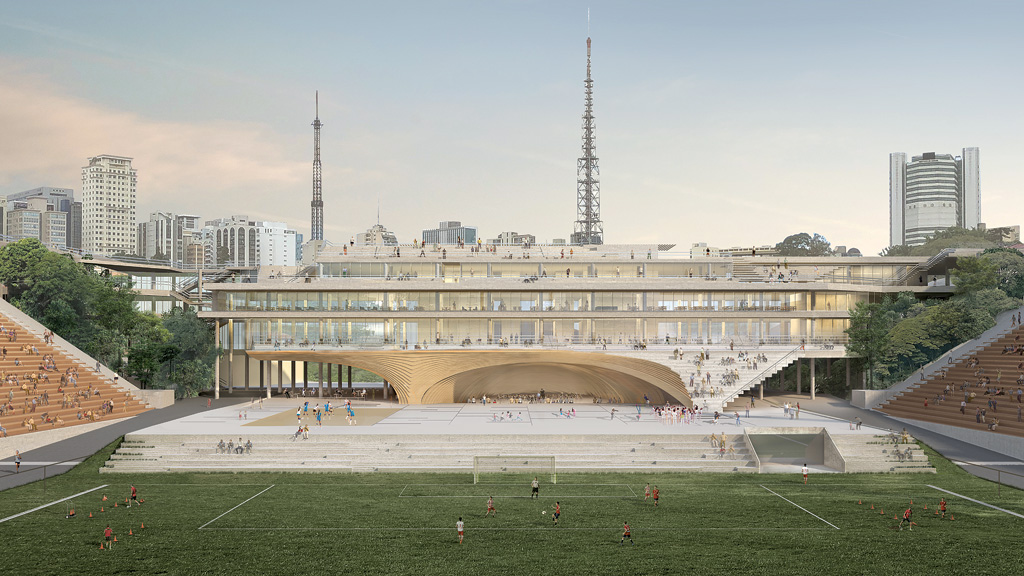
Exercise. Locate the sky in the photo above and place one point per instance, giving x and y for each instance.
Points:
(733, 123)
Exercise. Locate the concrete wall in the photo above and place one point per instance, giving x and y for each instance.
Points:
(33, 440)
(156, 398)
(1002, 443)
(833, 457)
(869, 399)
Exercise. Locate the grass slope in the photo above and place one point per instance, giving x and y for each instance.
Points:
(405, 524)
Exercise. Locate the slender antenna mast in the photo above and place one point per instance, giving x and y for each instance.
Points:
(588, 228)
(317, 205)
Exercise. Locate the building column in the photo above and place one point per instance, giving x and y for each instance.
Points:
(760, 391)
(813, 383)
(280, 377)
(799, 375)
(263, 373)
(216, 365)
(350, 377)
(231, 356)
(270, 378)
(320, 385)
(305, 371)
(245, 354)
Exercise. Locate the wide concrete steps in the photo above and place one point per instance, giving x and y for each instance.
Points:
(340, 453)
(876, 454)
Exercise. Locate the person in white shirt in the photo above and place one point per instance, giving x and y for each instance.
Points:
(460, 526)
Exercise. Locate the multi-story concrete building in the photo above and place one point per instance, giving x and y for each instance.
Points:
(239, 241)
(513, 239)
(108, 205)
(167, 236)
(614, 300)
(930, 193)
(377, 235)
(450, 232)
(59, 200)
(36, 218)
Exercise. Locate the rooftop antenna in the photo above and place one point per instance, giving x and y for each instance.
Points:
(378, 209)
(317, 205)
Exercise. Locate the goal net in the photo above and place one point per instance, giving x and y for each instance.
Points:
(505, 468)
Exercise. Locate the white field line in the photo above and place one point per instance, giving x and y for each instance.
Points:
(616, 531)
(547, 493)
(802, 508)
(520, 496)
(51, 504)
(233, 509)
(977, 502)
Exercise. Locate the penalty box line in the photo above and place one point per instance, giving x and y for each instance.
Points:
(801, 507)
(236, 507)
(977, 501)
(402, 494)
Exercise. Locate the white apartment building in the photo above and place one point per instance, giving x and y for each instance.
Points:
(930, 193)
(108, 205)
(33, 218)
(238, 241)
(168, 235)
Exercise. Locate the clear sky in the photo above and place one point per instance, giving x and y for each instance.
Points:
(732, 123)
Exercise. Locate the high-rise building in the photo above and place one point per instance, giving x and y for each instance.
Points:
(108, 205)
(377, 235)
(238, 241)
(513, 239)
(59, 200)
(36, 218)
(166, 236)
(450, 232)
(930, 193)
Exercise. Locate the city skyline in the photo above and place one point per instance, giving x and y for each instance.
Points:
(733, 125)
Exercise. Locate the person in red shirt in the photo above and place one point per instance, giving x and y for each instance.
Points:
(107, 534)
(558, 512)
(906, 518)
(135, 496)
(626, 534)
(490, 507)
(942, 507)
(655, 494)
(647, 492)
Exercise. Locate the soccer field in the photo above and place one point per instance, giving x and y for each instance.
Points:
(405, 524)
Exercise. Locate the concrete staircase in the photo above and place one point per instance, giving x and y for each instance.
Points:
(864, 453)
(427, 453)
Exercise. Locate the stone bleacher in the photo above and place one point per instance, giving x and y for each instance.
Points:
(125, 404)
(864, 453)
(911, 403)
(142, 452)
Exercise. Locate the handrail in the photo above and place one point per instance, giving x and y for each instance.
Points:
(759, 377)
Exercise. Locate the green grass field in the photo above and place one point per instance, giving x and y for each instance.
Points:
(405, 524)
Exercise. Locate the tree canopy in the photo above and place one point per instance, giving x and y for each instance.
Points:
(804, 244)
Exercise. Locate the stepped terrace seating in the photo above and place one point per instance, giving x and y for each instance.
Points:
(378, 453)
(996, 367)
(42, 387)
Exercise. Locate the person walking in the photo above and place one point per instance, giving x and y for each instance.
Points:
(460, 527)
(626, 534)
(534, 488)
(804, 471)
(17, 461)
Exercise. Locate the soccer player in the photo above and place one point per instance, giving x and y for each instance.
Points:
(535, 486)
(558, 512)
(942, 507)
(17, 462)
(647, 492)
(490, 507)
(626, 534)
(107, 534)
(654, 494)
(135, 497)
(460, 526)
(906, 518)
(804, 471)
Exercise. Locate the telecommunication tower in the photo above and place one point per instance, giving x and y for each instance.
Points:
(317, 225)
(589, 229)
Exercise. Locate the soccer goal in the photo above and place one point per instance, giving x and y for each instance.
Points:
(504, 467)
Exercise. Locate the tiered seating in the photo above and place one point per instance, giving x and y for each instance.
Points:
(864, 453)
(45, 416)
(992, 361)
(379, 453)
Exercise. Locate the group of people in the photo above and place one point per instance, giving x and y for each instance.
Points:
(232, 448)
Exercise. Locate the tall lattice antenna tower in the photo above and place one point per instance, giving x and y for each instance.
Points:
(317, 225)
(589, 229)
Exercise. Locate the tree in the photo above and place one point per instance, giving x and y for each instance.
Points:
(1009, 265)
(897, 250)
(223, 255)
(803, 244)
(869, 334)
(974, 274)
(192, 370)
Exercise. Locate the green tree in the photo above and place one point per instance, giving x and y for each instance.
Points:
(974, 274)
(897, 250)
(804, 244)
(869, 334)
(192, 370)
